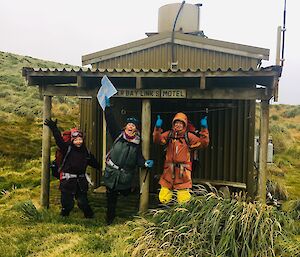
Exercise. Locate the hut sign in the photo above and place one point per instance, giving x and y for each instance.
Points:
(151, 93)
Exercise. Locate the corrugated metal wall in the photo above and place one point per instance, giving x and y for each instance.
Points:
(229, 156)
(91, 124)
(188, 57)
(230, 152)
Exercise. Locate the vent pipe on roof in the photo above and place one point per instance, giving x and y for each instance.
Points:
(173, 63)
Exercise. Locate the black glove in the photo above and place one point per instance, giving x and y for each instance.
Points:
(51, 124)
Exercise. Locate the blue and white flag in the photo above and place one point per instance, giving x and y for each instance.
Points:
(107, 89)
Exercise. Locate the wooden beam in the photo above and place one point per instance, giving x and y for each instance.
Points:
(202, 82)
(220, 183)
(192, 93)
(138, 82)
(227, 93)
(81, 82)
(144, 176)
(68, 91)
(263, 150)
(45, 179)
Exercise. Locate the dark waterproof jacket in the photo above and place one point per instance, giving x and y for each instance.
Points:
(126, 155)
(76, 162)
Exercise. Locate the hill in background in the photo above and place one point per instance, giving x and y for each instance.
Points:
(21, 109)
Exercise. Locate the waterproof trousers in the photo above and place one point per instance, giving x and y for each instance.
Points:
(67, 203)
(112, 198)
(165, 195)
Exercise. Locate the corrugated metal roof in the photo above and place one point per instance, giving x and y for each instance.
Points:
(27, 70)
(56, 76)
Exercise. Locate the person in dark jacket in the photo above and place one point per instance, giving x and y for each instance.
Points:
(122, 160)
(73, 177)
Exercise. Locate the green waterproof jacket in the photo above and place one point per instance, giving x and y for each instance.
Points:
(124, 157)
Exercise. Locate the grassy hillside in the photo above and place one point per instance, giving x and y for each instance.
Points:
(27, 230)
(285, 134)
(21, 109)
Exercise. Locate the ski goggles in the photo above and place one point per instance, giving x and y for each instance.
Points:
(77, 134)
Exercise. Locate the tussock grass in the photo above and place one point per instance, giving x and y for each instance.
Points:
(274, 170)
(211, 225)
(17, 98)
(277, 189)
(29, 230)
(29, 211)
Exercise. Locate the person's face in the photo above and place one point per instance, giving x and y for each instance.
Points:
(130, 129)
(178, 125)
(78, 141)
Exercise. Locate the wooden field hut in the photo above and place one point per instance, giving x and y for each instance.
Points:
(169, 71)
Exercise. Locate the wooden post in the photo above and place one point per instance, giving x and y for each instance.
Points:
(93, 136)
(81, 82)
(202, 82)
(251, 176)
(104, 142)
(146, 130)
(45, 180)
(263, 150)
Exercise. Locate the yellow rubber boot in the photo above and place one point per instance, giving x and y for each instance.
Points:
(165, 195)
(183, 196)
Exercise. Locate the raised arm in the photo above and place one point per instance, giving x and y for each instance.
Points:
(112, 125)
(56, 134)
(201, 138)
(158, 136)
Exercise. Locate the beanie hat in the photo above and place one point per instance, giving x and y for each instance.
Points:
(133, 120)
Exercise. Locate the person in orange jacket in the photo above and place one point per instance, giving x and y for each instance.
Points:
(178, 165)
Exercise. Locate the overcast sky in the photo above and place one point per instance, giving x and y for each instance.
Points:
(64, 30)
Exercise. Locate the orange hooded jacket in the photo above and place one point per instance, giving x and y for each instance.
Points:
(178, 165)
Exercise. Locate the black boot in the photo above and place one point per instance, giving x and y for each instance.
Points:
(83, 204)
(64, 212)
(110, 216)
(88, 213)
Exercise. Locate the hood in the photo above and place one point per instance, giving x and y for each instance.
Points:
(182, 117)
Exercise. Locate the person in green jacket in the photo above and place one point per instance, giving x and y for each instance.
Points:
(123, 159)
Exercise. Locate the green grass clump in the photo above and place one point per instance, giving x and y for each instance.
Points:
(28, 211)
(277, 190)
(280, 137)
(291, 113)
(274, 117)
(210, 225)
